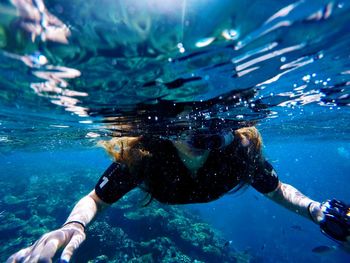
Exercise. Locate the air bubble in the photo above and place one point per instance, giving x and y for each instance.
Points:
(230, 34)
(205, 42)
(181, 47)
(306, 78)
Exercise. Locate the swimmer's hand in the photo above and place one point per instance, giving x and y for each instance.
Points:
(68, 237)
(336, 221)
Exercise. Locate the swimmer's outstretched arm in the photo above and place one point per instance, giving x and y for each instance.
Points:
(332, 215)
(113, 184)
(291, 198)
(265, 180)
(69, 236)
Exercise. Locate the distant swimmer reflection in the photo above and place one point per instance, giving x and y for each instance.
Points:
(197, 168)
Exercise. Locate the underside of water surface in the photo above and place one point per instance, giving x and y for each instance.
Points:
(82, 70)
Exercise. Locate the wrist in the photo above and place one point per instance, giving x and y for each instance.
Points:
(77, 224)
(315, 212)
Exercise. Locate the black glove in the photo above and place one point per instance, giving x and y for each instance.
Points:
(336, 222)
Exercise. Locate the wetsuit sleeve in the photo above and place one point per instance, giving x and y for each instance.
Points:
(265, 180)
(115, 182)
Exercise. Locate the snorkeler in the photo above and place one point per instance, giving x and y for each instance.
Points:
(196, 169)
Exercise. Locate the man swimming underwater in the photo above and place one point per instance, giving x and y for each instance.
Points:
(200, 168)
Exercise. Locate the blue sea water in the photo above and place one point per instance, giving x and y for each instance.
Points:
(73, 73)
(273, 233)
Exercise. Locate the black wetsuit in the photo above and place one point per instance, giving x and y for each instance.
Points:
(168, 180)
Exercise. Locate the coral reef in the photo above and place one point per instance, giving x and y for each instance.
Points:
(126, 232)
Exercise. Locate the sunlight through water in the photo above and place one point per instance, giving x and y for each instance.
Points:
(88, 69)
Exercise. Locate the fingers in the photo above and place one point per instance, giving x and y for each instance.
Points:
(41, 251)
(19, 256)
(44, 249)
(73, 244)
(26, 254)
(49, 251)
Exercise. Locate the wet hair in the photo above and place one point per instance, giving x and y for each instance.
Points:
(250, 137)
(130, 150)
(251, 141)
(127, 150)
